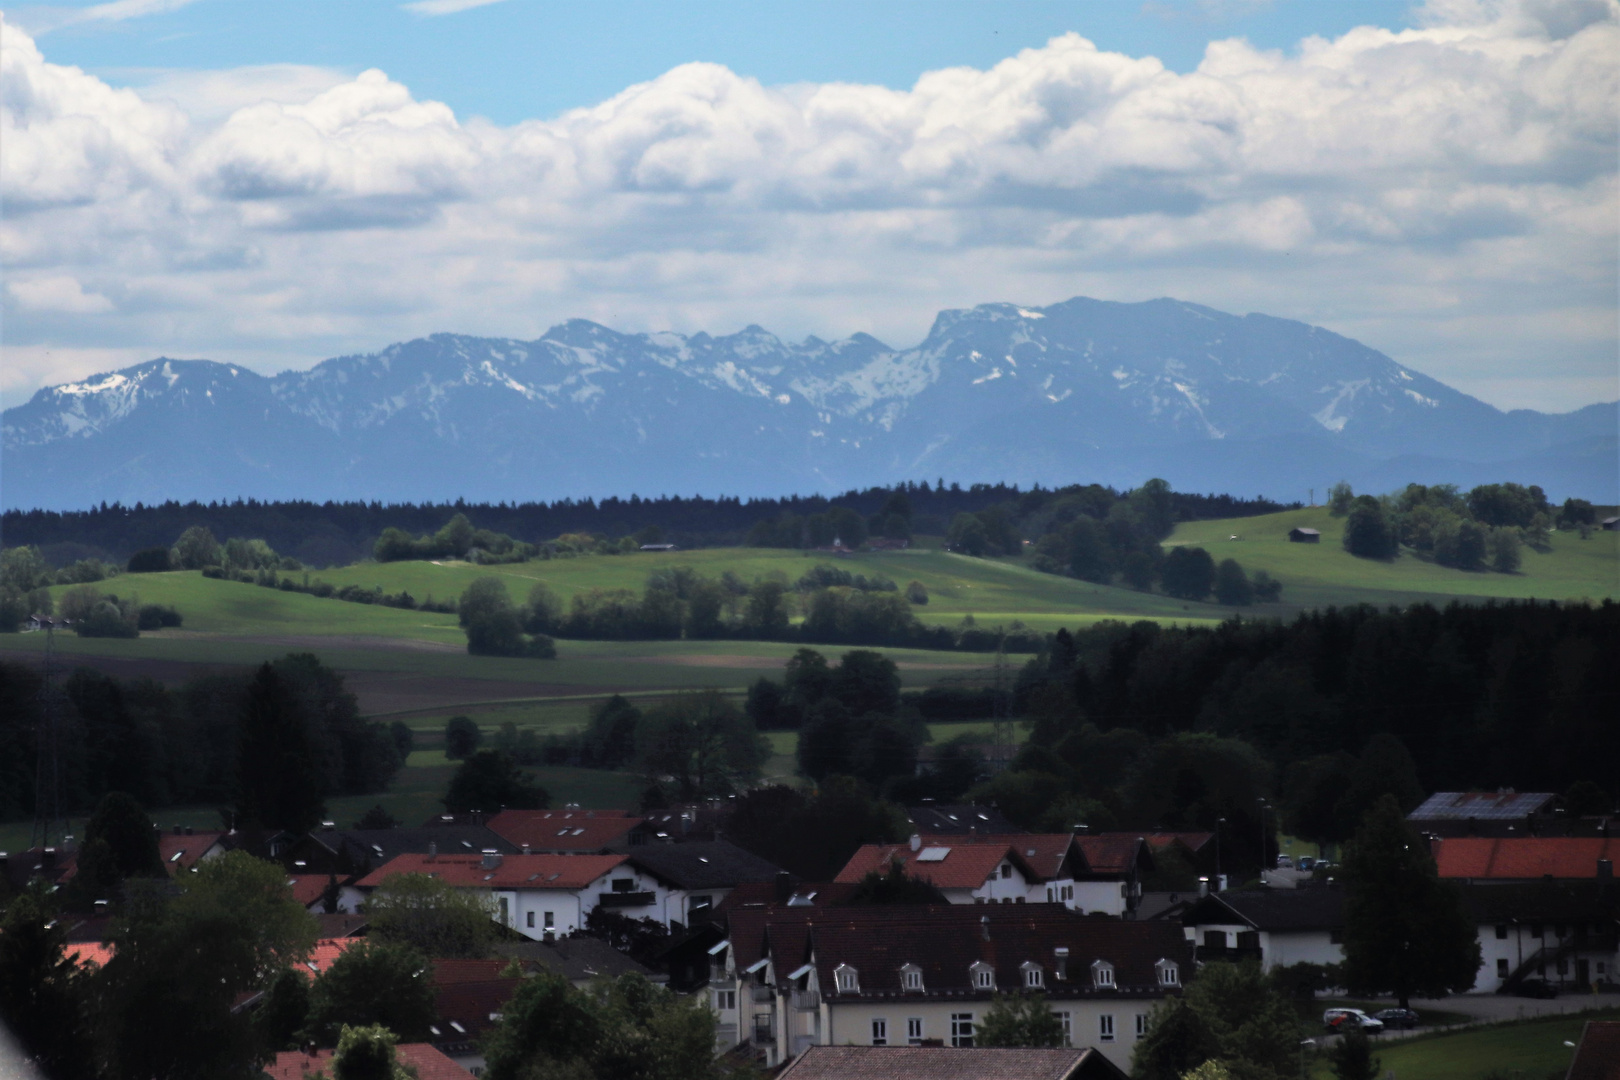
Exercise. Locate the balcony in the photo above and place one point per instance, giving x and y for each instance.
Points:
(719, 976)
(626, 899)
(763, 1035)
(806, 1000)
(762, 995)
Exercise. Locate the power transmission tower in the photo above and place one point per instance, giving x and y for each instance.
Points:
(49, 828)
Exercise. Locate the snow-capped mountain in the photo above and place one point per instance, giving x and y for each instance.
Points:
(1082, 390)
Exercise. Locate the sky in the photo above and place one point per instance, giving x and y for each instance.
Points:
(273, 184)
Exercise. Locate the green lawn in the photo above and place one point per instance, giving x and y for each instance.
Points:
(1533, 1049)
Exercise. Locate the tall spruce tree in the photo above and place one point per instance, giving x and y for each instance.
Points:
(279, 782)
(1405, 930)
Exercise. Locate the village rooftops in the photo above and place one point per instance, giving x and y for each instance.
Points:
(1526, 858)
(1316, 908)
(180, 851)
(1047, 854)
(1482, 805)
(705, 865)
(578, 959)
(1113, 854)
(352, 851)
(950, 1063)
(953, 819)
(950, 946)
(566, 831)
(571, 872)
(428, 1063)
(946, 864)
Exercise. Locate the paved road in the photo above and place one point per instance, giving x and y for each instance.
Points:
(1489, 1008)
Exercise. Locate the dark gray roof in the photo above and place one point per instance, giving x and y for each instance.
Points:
(1484, 805)
(1316, 908)
(381, 845)
(714, 864)
(960, 819)
(574, 958)
(1541, 901)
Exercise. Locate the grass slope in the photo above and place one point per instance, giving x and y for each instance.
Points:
(1533, 1049)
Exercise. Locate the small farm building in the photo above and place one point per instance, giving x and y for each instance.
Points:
(1302, 535)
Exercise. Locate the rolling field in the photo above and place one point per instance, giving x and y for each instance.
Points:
(1531, 1049)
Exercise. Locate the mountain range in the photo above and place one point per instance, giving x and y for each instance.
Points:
(1080, 391)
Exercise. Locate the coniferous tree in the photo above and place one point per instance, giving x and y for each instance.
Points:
(1405, 931)
(279, 781)
(119, 842)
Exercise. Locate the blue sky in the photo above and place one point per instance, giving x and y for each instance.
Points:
(520, 59)
(272, 184)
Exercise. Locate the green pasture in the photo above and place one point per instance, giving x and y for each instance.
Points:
(1531, 1049)
(1317, 575)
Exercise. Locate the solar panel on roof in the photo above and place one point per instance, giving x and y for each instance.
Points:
(933, 854)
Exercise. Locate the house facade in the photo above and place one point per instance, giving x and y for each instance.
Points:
(1276, 927)
(785, 979)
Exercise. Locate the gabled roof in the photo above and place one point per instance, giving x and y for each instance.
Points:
(959, 818)
(961, 866)
(1540, 901)
(341, 924)
(89, 953)
(565, 830)
(714, 864)
(949, 1063)
(575, 958)
(1192, 842)
(1113, 854)
(323, 954)
(448, 972)
(180, 853)
(1485, 805)
(429, 1063)
(945, 941)
(1047, 854)
(380, 845)
(1315, 908)
(468, 1009)
(307, 888)
(802, 894)
(514, 872)
(1523, 857)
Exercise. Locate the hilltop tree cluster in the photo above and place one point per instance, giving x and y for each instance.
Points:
(1484, 528)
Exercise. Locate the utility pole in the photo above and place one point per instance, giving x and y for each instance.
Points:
(1264, 806)
(1001, 729)
(1218, 823)
(48, 825)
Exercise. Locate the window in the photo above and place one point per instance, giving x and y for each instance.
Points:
(911, 977)
(1563, 966)
(725, 1000)
(529, 919)
(1501, 969)
(1560, 930)
(1105, 1027)
(1248, 939)
(1141, 1024)
(1501, 932)
(880, 1032)
(984, 976)
(848, 980)
(1102, 974)
(1214, 939)
(914, 1030)
(961, 1029)
(1068, 892)
(1034, 977)
(551, 921)
(624, 884)
(1169, 973)
(1067, 1020)
(1535, 929)
(1051, 894)
(506, 915)
(1006, 870)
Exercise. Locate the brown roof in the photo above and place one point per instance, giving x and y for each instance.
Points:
(944, 1063)
(514, 872)
(964, 865)
(564, 830)
(1523, 857)
(341, 924)
(1192, 841)
(182, 852)
(1045, 853)
(1110, 853)
(468, 1009)
(307, 888)
(447, 972)
(1598, 1055)
(428, 1063)
(945, 942)
(802, 894)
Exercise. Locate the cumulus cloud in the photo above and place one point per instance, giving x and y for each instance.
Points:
(1413, 188)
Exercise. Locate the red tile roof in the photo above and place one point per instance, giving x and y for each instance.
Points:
(1523, 857)
(307, 888)
(471, 1005)
(182, 852)
(936, 1063)
(447, 972)
(514, 872)
(965, 865)
(1192, 841)
(564, 830)
(1110, 853)
(322, 955)
(89, 952)
(1598, 1055)
(429, 1063)
(1044, 852)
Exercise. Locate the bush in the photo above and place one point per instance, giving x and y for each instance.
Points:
(1188, 573)
(1368, 531)
(157, 616)
(108, 619)
(917, 593)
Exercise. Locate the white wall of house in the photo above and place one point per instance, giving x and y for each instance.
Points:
(1504, 947)
(1282, 948)
(1006, 885)
(1107, 897)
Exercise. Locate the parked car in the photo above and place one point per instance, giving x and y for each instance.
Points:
(1285, 862)
(1536, 988)
(1304, 862)
(1340, 1020)
(1397, 1018)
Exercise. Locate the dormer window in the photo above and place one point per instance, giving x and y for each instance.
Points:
(1034, 975)
(1169, 973)
(983, 976)
(847, 979)
(911, 977)
(1102, 975)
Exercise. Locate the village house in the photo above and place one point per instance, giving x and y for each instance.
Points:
(1302, 535)
(702, 874)
(950, 1063)
(983, 872)
(1488, 813)
(1276, 927)
(785, 979)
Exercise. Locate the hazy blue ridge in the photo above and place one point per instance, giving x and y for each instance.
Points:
(1079, 391)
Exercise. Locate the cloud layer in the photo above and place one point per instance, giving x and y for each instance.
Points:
(1448, 194)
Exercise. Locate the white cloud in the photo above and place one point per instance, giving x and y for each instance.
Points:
(1426, 190)
(445, 7)
(41, 21)
(57, 294)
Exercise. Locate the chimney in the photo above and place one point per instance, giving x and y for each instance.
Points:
(190, 831)
(784, 887)
(179, 830)
(525, 849)
(916, 842)
(47, 858)
(984, 926)
(433, 850)
(1203, 886)
(492, 859)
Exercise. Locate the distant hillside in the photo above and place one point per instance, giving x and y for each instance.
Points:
(1103, 391)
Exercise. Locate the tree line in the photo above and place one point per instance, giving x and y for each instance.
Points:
(1485, 528)
(267, 745)
(332, 533)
